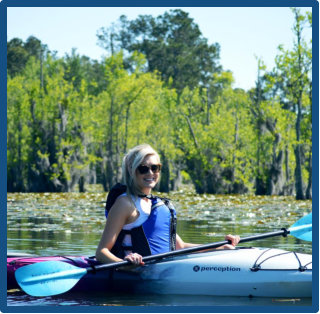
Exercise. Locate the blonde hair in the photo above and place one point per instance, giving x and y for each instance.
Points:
(131, 161)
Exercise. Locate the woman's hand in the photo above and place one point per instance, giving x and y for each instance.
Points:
(234, 241)
(135, 259)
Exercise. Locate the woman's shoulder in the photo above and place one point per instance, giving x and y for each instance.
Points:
(123, 204)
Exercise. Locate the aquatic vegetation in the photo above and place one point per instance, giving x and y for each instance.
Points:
(73, 222)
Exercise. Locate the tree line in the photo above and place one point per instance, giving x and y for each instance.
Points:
(71, 119)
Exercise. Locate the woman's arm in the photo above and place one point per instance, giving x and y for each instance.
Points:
(118, 216)
(180, 244)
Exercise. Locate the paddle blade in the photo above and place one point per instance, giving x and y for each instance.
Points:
(302, 229)
(48, 278)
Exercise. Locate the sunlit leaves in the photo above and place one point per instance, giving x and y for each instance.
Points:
(70, 119)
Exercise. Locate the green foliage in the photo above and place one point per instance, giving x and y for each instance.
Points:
(293, 74)
(172, 44)
(18, 53)
(71, 119)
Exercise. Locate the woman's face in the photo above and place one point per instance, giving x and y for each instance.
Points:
(147, 181)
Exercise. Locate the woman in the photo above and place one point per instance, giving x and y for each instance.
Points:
(139, 224)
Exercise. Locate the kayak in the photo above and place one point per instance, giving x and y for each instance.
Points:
(260, 272)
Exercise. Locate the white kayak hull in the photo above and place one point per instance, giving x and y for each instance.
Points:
(242, 272)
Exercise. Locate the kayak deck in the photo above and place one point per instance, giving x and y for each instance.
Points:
(240, 272)
(246, 272)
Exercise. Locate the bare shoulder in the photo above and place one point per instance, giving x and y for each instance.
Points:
(122, 206)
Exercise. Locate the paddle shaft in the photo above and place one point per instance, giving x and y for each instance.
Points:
(282, 232)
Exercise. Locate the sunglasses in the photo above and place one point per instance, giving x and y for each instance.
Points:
(145, 169)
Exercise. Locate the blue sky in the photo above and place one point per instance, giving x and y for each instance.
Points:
(243, 33)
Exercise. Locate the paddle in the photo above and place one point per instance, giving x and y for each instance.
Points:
(53, 277)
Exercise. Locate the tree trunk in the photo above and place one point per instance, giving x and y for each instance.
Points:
(288, 188)
(82, 184)
(275, 177)
(175, 183)
(236, 137)
(164, 185)
(109, 171)
(309, 188)
(298, 175)
(298, 170)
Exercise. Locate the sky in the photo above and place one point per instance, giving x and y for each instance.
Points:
(242, 33)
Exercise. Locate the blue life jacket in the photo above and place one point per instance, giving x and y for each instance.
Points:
(156, 235)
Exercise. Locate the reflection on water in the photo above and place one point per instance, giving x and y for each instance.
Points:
(72, 223)
(103, 299)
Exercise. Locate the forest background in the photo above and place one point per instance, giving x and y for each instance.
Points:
(71, 119)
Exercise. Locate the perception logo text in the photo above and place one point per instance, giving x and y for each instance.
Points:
(221, 269)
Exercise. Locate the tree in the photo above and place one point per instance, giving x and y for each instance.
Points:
(17, 56)
(18, 135)
(172, 43)
(125, 114)
(48, 152)
(78, 68)
(18, 53)
(270, 124)
(294, 75)
(218, 154)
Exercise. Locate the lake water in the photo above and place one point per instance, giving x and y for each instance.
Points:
(72, 223)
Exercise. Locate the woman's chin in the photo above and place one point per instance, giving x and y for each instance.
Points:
(147, 187)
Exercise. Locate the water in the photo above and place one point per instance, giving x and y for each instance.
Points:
(101, 299)
(72, 223)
